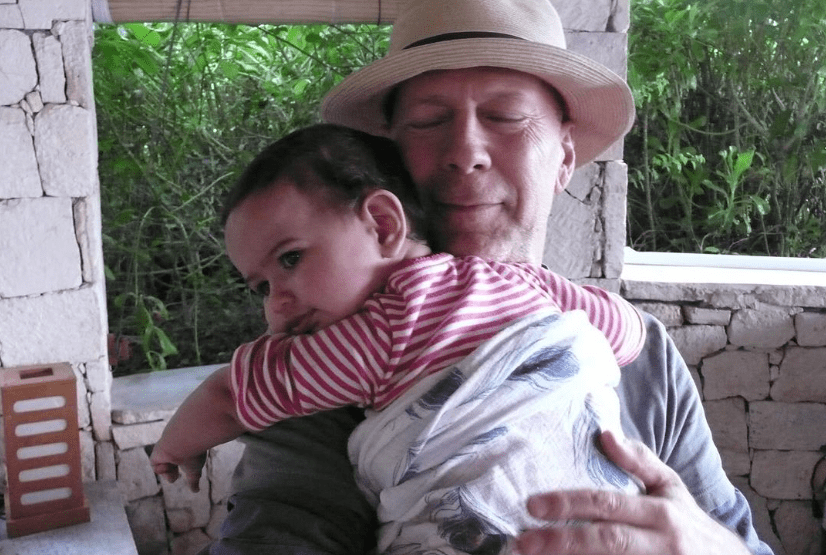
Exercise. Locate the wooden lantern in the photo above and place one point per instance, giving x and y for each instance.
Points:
(42, 444)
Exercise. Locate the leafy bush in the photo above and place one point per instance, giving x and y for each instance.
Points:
(181, 110)
(729, 150)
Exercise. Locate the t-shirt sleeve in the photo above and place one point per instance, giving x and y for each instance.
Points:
(280, 376)
(615, 317)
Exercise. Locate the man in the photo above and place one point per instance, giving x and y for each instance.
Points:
(492, 115)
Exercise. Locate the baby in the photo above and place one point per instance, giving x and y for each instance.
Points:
(478, 375)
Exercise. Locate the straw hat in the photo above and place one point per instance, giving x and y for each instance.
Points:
(524, 35)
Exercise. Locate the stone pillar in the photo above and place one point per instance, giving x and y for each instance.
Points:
(586, 231)
(52, 298)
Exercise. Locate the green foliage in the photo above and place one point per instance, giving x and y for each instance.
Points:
(181, 110)
(729, 150)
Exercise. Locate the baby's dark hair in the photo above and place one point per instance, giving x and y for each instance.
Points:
(339, 162)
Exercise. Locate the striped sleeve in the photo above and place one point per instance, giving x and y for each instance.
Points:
(615, 317)
(281, 376)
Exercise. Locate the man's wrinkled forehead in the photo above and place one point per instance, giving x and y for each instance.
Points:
(390, 102)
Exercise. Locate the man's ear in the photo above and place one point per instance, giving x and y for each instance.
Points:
(383, 212)
(566, 168)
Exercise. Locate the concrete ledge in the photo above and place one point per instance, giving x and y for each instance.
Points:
(107, 533)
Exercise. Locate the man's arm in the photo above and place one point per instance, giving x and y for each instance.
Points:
(204, 420)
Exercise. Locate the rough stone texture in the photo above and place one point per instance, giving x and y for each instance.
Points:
(137, 435)
(10, 17)
(799, 531)
(105, 461)
(767, 328)
(727, 419)
(146, 519)
(696, 342)
(709, 316)
(17, 67)
(87, 456)
(40, 14)
(736, 373)
(87, 231)
(783, 474)
(76, 39)
(573, 247)
(669, 314)
(186, 509)
(784, 426)
(801, 376)
(613, 215)
(220, 467)
(100, 408)
(38, 250)
(62, 137)
(20, 176)
(49, 56)
(135, 476)
(60, 326)
(811, 329)
(760, 514)
(589, 15)
(735, 463)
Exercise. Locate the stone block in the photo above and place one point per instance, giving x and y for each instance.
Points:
(138, 435)
(40, 14)
(10, 17)
(709, 316)
(89, 238)
(729, 427)
(186, 509)
(135, 476)
(613, 218)
(736, 373)
(76, 40)
(87, 456)
(786, 426)
(49, 56)
(669, 314)
(735, 463)
(801, 376)
(62, 326)
(65, 142)
(38, 249)
(760, 513)
(220, 466)
(573, 244)
(100, 408)
(800, 532)
(105, 461)
(190, 543)
(783, 474)
(764, 328)
(20, 176)
(697, 342)
(811, 329)
(17, 66)
(588, 15)
(146, 519)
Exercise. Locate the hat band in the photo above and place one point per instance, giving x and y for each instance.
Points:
(460, 36)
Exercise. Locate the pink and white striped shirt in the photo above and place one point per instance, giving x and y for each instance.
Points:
(432, 313)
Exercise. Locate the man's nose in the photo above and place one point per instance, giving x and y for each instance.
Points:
(466, 150)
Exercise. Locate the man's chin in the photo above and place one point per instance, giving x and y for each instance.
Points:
(490, 247)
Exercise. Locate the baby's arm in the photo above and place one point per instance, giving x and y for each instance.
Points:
(204, 420)
(615, 317)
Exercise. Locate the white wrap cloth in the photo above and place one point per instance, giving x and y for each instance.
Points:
(451, 463)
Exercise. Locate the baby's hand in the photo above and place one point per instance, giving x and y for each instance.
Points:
(165, 467)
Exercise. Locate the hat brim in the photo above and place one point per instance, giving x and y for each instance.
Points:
(598, 100)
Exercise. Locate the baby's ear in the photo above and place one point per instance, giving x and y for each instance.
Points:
(383, 212)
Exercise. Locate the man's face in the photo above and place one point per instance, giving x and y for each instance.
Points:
(487, 151)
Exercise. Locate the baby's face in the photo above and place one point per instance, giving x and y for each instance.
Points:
(312, 264)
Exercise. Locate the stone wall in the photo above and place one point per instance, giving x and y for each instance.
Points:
(758, 356)
(52, 300)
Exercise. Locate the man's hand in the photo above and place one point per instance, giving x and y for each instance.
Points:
(664, 521)
(168, 467)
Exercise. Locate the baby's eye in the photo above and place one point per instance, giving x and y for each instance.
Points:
(262, 288)
(289, 259)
